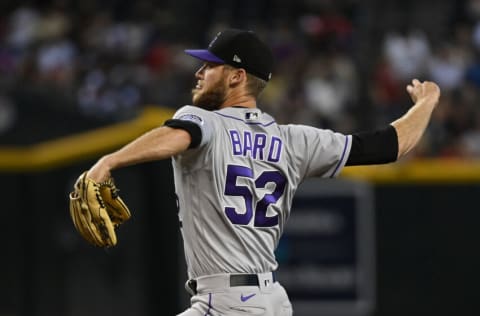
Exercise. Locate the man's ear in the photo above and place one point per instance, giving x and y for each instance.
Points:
(237, 76)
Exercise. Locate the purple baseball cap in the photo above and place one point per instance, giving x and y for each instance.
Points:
(240, 49)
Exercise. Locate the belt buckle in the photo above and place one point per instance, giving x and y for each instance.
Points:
(266, 279)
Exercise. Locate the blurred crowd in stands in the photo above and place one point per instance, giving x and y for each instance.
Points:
(340, 64)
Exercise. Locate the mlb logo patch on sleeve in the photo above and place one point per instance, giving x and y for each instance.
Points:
(191, 117)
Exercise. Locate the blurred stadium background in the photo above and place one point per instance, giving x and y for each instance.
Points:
(81, 78)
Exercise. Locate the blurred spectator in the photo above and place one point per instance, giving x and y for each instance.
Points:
(56, 61)
(330, 87)
(105, 60)
(447, 68)
(408, 52)
(22, 27)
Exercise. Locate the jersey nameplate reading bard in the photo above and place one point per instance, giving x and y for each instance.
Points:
(256, 145)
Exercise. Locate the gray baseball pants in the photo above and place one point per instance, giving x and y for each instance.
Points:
(234, 295)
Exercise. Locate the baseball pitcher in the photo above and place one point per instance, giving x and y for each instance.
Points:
(236, 172)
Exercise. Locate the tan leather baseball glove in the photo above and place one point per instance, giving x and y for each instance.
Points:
(96, 210)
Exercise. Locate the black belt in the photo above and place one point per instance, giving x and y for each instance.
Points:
(235, 280)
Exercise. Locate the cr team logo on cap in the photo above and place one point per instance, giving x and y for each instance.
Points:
(214, 39)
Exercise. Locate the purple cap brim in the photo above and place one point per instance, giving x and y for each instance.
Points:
(204, 55)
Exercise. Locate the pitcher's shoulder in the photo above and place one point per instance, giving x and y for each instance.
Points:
(192, 113)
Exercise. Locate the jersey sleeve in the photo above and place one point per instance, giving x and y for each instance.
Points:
(318, 152)
(201, 118)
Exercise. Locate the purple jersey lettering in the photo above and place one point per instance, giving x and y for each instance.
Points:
(256, 145)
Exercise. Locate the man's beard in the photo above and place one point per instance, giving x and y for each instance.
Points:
(212, 98)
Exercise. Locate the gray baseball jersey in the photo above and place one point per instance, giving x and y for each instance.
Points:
(236, 188)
